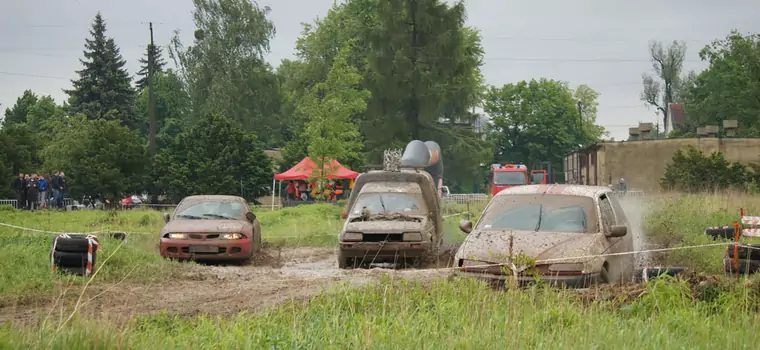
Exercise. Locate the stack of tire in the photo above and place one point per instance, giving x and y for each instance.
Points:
(72, 253)
(747, 255)
(742, 259)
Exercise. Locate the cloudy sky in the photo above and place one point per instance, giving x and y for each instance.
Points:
(601, 43)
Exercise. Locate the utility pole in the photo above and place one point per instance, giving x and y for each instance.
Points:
(580, 121)
(151, 100)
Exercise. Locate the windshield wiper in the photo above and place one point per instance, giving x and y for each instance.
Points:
(540, 210)
(194, 217)
(382, 204)
(218, 216)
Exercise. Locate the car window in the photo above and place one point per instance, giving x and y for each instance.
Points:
(390, 203)
(509, 178)
(211, 209)
(608, 217)
(541, 213)
(536, 178)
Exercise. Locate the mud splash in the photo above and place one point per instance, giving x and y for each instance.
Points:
(636, 210)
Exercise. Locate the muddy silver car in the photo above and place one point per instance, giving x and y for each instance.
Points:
(392, 217)
(566, 230)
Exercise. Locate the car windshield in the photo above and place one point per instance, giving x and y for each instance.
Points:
(541, 213)
(389, 203)
(210, 210)
(509, 178)
(537, 178)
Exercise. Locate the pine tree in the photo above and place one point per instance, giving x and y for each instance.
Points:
(103, 90)
(158, 66)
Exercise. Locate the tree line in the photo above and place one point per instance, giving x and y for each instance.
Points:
(371, 75)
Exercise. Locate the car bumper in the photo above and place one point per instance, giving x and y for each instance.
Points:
(239, 249)
(499, 281)
(384, 250)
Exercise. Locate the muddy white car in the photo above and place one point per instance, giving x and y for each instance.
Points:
(567, 231)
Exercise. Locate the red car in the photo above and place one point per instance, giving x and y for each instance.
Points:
(211, 228)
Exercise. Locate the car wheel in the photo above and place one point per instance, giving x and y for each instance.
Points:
(604, 275)
(344, 262)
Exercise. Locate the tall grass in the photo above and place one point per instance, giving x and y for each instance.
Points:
(456, 314)
(680, 220)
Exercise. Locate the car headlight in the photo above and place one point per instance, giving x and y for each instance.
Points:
(353, 236)
(178, 236)
(231, 236)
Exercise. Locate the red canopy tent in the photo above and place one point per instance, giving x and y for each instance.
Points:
(305, 170)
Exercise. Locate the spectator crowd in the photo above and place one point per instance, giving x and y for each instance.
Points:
(35, 191)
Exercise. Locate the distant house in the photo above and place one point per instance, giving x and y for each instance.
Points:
(676, 116)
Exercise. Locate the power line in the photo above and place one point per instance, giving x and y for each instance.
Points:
(32, 75)
(589, 38)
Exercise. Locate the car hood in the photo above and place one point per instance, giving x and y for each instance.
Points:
(382, 226)
(493, 246)
(201, 226)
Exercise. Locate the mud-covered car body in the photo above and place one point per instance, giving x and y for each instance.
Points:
(211, 228)
(566, 230)
(391, 217)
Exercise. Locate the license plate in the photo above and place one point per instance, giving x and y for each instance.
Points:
(203, 249)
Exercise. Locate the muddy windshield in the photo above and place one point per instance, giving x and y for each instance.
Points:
(508, 178)
(210, 210)
(537, 178)
(390, 203)
(541, 213)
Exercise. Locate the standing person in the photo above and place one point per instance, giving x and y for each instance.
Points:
(61, 189)
(55, 185)
(18, 189)
(25, 195)
(291, 189)
(42, 197)
(34, 192)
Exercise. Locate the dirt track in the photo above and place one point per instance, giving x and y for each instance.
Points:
(289, 274)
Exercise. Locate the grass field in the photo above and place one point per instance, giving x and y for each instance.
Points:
(716, 313)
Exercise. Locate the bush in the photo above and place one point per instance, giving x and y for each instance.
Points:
(693, 171)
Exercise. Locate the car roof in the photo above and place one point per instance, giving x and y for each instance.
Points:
(560, 189)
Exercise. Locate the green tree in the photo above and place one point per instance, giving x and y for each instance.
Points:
(103, 89)
(421, 66)
(18, 113)
(225, 71)
(730, 86)
(667, 64)
(198, 163)
(153, 52)
(172, 101)
(101, 158)
(330, 132)
(538, 121)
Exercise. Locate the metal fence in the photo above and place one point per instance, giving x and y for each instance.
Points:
(14, 203)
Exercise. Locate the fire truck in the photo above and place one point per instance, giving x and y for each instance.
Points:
(507, 175)
(510, 175)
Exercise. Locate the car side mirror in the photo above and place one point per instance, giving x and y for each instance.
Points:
(167, 217)
(250, 216)
(465, 226)
(618, 231)
(343, 215)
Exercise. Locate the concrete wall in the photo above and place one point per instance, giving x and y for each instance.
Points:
(642, 163)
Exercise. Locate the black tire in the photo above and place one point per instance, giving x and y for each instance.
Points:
(75, 244)
(726, 232)
(119, 235)
(68, 259)
(746, 251)
(73, 270)
(654, 272)
(745, 267)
